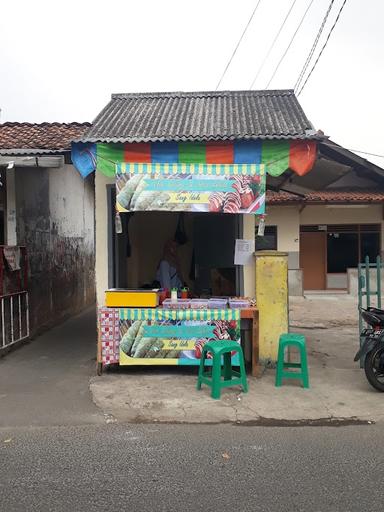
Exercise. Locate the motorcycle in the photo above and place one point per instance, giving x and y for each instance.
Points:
(372, 347)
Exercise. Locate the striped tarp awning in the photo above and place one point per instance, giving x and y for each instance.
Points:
(276, 155)
(179, 314)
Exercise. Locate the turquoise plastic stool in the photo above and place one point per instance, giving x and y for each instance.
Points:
(222, 349)
(292, 340)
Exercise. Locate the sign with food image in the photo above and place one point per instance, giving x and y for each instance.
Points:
(174, 342)
(225, 188)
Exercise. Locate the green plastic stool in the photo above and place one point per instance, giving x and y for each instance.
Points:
(292, 340)
(219, 349)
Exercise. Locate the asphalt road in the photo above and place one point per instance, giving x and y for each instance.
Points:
(191, 468)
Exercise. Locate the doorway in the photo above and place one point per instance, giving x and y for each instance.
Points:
(313, 251)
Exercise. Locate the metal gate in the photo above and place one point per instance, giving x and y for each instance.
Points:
(369, 287)
(14, 319)
(14, 299)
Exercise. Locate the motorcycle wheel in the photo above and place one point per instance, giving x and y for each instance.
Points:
(374, 368)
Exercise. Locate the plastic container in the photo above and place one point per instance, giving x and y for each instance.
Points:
(179, 304)
(199, 304)
(116, 297)
(217, 303)
(239, 303)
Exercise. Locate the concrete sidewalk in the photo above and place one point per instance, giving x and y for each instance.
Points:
(46, 382)
(339, 391)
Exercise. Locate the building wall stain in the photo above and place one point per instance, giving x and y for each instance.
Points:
(55, 221)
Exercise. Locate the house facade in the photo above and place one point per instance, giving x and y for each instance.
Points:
(330, 226)
(47, 208)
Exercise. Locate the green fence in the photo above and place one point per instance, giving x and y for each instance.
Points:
(367, 296)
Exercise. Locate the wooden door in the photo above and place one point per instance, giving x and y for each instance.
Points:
(313, 260)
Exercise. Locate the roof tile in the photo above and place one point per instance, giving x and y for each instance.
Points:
(43, 136)
(200, 116)
(327, 196)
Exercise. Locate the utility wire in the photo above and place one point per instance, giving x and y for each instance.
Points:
(289, 45)
(273, 44)
(238, 44)
(353, 150)
(312, 51)
(323, 48)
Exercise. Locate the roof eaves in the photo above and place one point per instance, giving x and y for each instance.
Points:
(331, 147)
(202, 94)
(191, 138)
(30, 151)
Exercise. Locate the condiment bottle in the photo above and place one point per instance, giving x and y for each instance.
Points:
(174, 295)
(184, 293)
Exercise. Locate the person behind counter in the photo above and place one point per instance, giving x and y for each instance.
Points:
(168, 272)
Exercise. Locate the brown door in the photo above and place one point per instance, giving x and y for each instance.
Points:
(313, 262)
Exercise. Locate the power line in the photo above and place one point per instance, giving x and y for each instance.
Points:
(312, 51)
(273, 44)
(289, 45)
(237, 46)
(353, 150)
(323, 48)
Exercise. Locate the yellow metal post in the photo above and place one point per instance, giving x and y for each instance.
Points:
(272, 301)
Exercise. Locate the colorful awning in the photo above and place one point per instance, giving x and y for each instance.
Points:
(276, 155)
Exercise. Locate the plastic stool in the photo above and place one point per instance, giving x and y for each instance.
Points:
(219, 349)
(292, 340)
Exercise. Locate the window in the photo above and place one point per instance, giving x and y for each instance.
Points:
(348, 244)
(268, 242)
(342, 252)
(369, 246)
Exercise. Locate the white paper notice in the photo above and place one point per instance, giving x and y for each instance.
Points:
(244, 250)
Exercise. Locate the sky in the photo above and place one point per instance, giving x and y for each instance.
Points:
(61, 60)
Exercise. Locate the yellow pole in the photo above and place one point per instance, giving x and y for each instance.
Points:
(272, 301)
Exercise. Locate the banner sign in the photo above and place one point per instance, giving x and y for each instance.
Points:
(226, 188)
(175, 340)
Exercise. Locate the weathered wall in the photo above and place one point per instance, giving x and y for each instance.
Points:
(55, 221)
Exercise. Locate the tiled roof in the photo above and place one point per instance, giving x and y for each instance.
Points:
(34, 138)
(327, 196)
(201, 116)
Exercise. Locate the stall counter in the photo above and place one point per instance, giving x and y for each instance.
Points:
(157, 336)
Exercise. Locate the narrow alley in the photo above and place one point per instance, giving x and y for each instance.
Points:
(46, 382)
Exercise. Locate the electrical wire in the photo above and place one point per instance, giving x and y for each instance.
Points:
(273, 44)
(314, 45)
(289, 45)
(323, 48)
(237, 45)
(353, 150)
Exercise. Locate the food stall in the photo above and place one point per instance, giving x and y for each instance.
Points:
(209, 190)
(149, 326)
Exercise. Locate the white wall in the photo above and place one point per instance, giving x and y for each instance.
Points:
(71, 204)
(101, 235)
(287, 220)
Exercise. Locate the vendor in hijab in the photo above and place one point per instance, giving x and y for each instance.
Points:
(168, 272)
